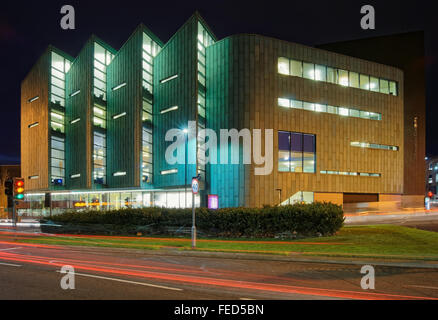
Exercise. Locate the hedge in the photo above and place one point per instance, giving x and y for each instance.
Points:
(298, 219)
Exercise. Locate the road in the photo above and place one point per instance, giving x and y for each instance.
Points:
(423, 221)
(31, 271)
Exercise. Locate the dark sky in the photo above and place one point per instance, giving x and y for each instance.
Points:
(27, 28)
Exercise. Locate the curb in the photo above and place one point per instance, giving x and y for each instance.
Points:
(262, 257)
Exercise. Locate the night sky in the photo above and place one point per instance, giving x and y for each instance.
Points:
(26, 29)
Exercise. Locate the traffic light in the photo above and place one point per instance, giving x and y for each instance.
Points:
(18, 189)
(9, 187)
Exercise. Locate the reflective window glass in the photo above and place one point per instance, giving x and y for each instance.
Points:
(296, 68)
(309, 70)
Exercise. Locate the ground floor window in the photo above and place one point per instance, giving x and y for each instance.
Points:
(299, 197)
(34, 204)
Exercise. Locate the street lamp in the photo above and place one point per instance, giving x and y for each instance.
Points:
(193, 233)
(185, 164)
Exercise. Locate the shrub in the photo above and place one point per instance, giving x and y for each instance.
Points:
(301, 219)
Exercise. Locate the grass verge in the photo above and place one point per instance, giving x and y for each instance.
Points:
(374, 241)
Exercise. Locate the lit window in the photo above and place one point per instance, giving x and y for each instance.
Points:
(343, 111)
(169, 109)
(384, 86)
(283, 102)
(373, 146)
(332, 75)
(296, 152)
(354, 113)
(364, 82)
(309, 106)
(75, 93)
(33, 99)
(57, 159)
(320, 73)
(393, 88)
(296, 104)
(98, 122)
(169, 78)
(365, 115)
(343, 78)
(320, 108)
(354, 79)
(309, 70)
(283, 66)
(296, 68)
(119, 115)
(332, 109)
(119, 86)
(58, 62)
(99, 158)
(374, 84)
(171, 171)
(345, 173)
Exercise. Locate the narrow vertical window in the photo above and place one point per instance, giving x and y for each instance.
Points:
(374, 84)
(354, 79)
(309, 70)
(384, 86)
(296, 152)
(364, 82)
(296, 68)
(284, 156)
(320, 73)
(283, 66)
(343, 78)
(309, 154)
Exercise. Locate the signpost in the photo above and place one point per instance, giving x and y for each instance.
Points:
(195, 190)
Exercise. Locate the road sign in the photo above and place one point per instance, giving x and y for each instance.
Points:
(195, 185)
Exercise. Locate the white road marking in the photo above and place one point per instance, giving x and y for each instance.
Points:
(10, 248)
(424, 287)
(127, 281)
(246, 299)
(10, 264)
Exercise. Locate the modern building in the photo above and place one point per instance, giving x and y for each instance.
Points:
(410, 58)
(431, 175)
(94, 127)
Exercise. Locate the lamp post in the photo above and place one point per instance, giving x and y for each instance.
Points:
(185, 164)
(193, 233)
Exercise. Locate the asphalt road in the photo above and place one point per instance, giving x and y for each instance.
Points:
(32, 272)
(427, 222)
